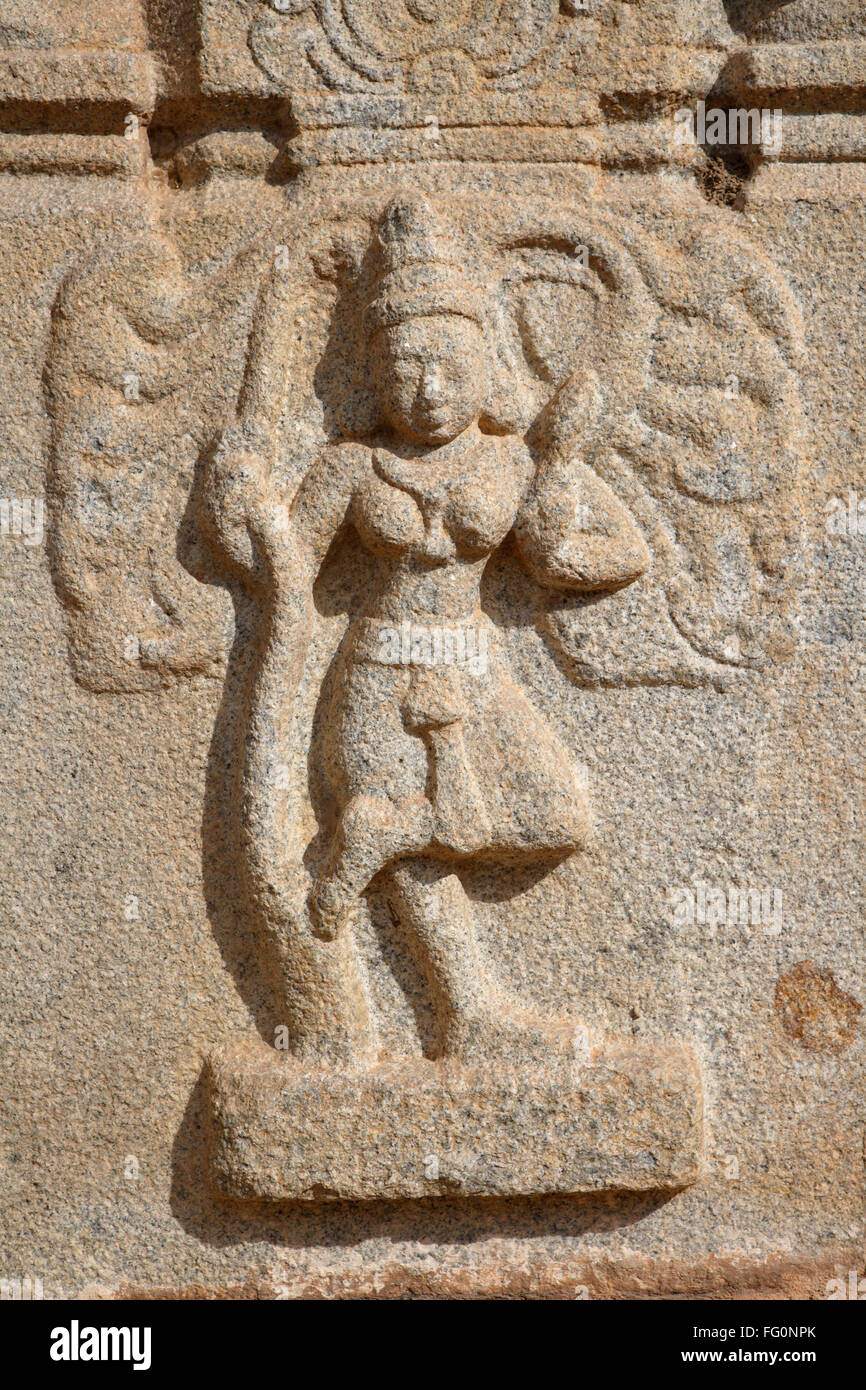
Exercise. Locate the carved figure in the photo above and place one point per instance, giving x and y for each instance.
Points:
(475, 340)
(458, 418)
(435, 756)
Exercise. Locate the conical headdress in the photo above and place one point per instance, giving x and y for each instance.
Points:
(421, 267)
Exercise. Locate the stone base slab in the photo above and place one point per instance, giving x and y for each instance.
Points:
(629, 1119)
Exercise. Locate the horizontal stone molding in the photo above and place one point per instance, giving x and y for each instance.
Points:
(80, 77)
(500, 1273)
(808, 138)
(73, 154)
(818, 68)
(624, 144)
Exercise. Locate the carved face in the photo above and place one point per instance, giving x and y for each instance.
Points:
(430, 376)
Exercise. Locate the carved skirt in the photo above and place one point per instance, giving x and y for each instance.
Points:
(430, 713)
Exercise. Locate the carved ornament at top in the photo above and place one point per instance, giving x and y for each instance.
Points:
(412, 46)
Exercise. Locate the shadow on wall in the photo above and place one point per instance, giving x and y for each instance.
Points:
(221, 1223)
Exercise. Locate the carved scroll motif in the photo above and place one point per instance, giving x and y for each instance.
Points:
(390, 46)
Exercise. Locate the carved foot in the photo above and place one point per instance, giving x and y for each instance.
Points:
(515, 1036)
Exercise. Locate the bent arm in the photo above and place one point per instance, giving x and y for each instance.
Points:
(574, 533)
(258, 535)
(251, 520)
(324, 500)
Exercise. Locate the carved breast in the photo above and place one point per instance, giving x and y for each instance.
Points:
(463, 507)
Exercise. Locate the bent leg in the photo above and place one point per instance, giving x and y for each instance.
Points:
(372, 831)
(380, 773)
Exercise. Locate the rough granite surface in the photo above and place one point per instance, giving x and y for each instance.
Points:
(433, 565)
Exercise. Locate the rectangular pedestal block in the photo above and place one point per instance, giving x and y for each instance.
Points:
(629, 1120)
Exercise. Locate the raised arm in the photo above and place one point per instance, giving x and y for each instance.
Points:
(573, 532)
(260, 533)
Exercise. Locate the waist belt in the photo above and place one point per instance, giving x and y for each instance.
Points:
(464, 644)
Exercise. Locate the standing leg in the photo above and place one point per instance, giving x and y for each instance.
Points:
(477, 1019)
(378, 773)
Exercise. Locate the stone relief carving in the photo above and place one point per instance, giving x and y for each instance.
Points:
(537, 893)
(403, 386)
(130, 401)
(393, 46)
(413, 403)
(704, 452)
(431, 749)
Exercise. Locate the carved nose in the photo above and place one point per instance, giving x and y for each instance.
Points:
(432, 385)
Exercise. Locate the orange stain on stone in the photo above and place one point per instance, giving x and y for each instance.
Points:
(814, 1011)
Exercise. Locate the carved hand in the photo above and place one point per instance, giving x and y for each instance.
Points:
(570, 415)
(245, 522)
